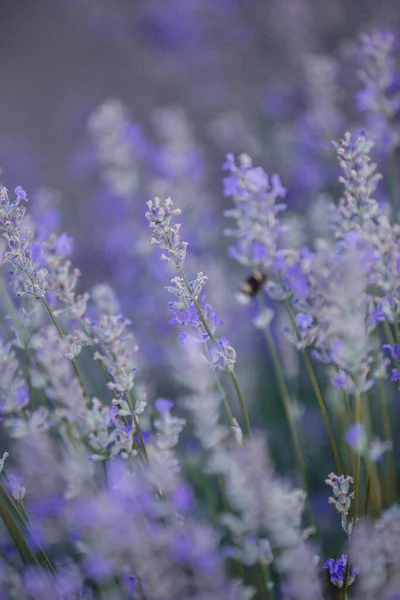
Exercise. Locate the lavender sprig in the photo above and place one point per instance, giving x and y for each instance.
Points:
(379, 97)
(165, 235)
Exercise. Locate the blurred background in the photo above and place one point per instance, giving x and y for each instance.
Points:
(106, 103)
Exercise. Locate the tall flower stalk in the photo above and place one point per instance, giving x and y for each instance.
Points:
(192, 314)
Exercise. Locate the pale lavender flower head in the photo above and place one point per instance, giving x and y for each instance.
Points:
(163, 405)
(342, 498)
(21, 194)
(256, 198)
(380, 97)
(376, 550)
(357, 437)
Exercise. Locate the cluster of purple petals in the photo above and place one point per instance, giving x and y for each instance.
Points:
(337, 571)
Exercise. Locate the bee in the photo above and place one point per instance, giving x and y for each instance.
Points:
(251, 287)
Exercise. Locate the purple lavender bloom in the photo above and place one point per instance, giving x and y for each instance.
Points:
(22, 394)
(356, 437)
(255, 211)
(297, 281)
(340, 380)
(98, 567)
(380, 97)
(394, 350)
(130, 584)
(395, 375)
(337, 569)
(163, 405)
(113, 414)
(64, 245)
(182, 498)
(304, 321)
(21, 194)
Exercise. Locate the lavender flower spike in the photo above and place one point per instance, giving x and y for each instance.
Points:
(165, 235)
(337, 570)
(197, 317)
(256, 212)
(379, 96)
(188, 312)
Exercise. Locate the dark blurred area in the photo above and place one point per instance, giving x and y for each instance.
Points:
(236, 67)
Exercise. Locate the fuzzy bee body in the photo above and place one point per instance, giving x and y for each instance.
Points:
(251, 287)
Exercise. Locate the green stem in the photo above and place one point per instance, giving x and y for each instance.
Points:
(139, 432)
(357, 419)
(388, 333)
(347, 402)
(115, 396)
(74, 363)
(210, 334)
(323, 411)
(388, 437)
(318, 394)
(396, 331)
(245, 415)
(280, 379)
(373, 479)
(367, 497)
(8, 303)
(356, 479)
(225, 402)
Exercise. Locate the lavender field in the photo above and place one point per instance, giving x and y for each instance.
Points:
(200, 300)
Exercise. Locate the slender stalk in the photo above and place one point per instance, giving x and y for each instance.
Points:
(396, 331)
(74, 363)
(357, 462)
(367, 497)
(245, 415)
(225, 402)
(373, 479)
(210, 334)
(323, 411)
(280, 379)
(347, 403)
(341, 423)
(388, 333)
(318, 394)
(388, 437)
(356, 478)
(265, 584)
(139, 432)
(8, 303)
(135, 444)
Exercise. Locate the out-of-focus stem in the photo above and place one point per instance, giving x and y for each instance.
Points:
(347, 403)
(225, 402)
(388, 437)
(375, 485)
(283, 390)
(137, 425)
(210, 334)
(356, 479)
(74, 363)
(367, 496)
(239, 394)
(8, 303)
(388, 333)
(323, 411)
(318, 394)
(357, 419)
